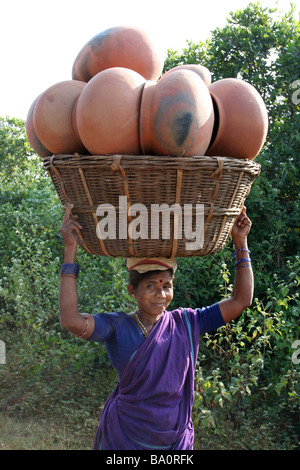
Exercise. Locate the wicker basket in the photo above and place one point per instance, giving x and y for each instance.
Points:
(217, 184)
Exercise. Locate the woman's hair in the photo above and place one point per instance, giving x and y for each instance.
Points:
(135, 277)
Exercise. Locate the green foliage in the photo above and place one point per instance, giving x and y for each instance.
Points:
(205, 273)
(192, 54)
(250, 361)
(41, 356)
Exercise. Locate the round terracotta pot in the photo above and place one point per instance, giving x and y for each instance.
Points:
(74, 123)
(120, 46)
(241, 119)
(52, 117)
(107, 112)
(202, 71)
(177, 115)
(33, 139)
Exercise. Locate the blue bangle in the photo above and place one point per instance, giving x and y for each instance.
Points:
(241, 249)
(243, 266)
(242, 260)
(70, 268)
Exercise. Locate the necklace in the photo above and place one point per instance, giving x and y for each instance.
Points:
(143, 328)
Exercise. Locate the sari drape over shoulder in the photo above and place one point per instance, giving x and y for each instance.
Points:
(151, 406)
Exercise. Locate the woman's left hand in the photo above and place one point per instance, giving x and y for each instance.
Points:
(241, 226)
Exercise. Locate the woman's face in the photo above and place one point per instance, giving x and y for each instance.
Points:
(154, 294)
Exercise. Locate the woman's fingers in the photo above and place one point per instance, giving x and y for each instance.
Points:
(69, 216)
(70, 225)
(76, 224)
(70, 228)
(68, 211)
(243, 220)
(242, 225)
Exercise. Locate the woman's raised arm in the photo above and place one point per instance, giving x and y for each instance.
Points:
(81, 325)
(243, 286)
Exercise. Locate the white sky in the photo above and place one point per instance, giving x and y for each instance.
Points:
(39, 40)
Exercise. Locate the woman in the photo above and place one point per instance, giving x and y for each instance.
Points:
(153, 350)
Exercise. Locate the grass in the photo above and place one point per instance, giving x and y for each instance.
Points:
(34, 434)
(37, 433)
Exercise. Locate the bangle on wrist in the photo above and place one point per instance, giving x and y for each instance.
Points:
(243, 266)
(242, 262)
(241, 249)
(69, 269)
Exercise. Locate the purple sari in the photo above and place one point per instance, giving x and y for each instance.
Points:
(151, 406)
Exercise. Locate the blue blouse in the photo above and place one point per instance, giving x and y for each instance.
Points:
(122, 336)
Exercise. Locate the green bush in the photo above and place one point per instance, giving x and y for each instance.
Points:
(245, 373)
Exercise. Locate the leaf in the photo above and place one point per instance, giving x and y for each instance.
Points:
(269, 323)
(254, 335)
(285, 291)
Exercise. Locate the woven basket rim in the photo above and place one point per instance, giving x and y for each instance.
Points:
(185, 162)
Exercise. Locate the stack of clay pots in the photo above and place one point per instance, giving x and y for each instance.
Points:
(118, 102)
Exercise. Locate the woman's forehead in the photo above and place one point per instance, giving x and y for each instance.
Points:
(163, 276)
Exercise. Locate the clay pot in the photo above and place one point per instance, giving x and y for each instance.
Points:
(119, 47)
(33, 139)
(108, 112)
(241, 119)
(176, 115)
(202, 71)
(74, 122)
(52, 117)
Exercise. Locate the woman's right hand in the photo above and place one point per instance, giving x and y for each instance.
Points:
(70, 229)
